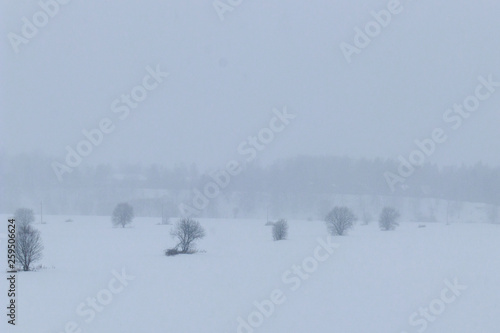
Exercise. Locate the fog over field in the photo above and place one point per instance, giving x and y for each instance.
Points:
(249, 166)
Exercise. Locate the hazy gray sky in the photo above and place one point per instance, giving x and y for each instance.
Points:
(227, 76)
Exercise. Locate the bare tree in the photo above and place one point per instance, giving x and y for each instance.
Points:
(24, 216)
(187, 231)
(388, 218)
(28, 246)
(280, 230)
(122, 214)
(339, 220)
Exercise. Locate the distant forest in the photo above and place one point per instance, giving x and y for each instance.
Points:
(299, 187)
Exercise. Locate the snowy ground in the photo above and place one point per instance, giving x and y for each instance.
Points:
(373, 282)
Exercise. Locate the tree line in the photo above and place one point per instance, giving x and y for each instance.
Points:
(93, 190)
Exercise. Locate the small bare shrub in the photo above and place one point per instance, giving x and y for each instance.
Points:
(187, 231)
(280, 230)
(122, 214)
(339, 220)
(388, 219)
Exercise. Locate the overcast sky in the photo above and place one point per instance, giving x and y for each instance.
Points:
(225, 78)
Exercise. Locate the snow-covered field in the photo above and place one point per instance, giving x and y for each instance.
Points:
(373, 282)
